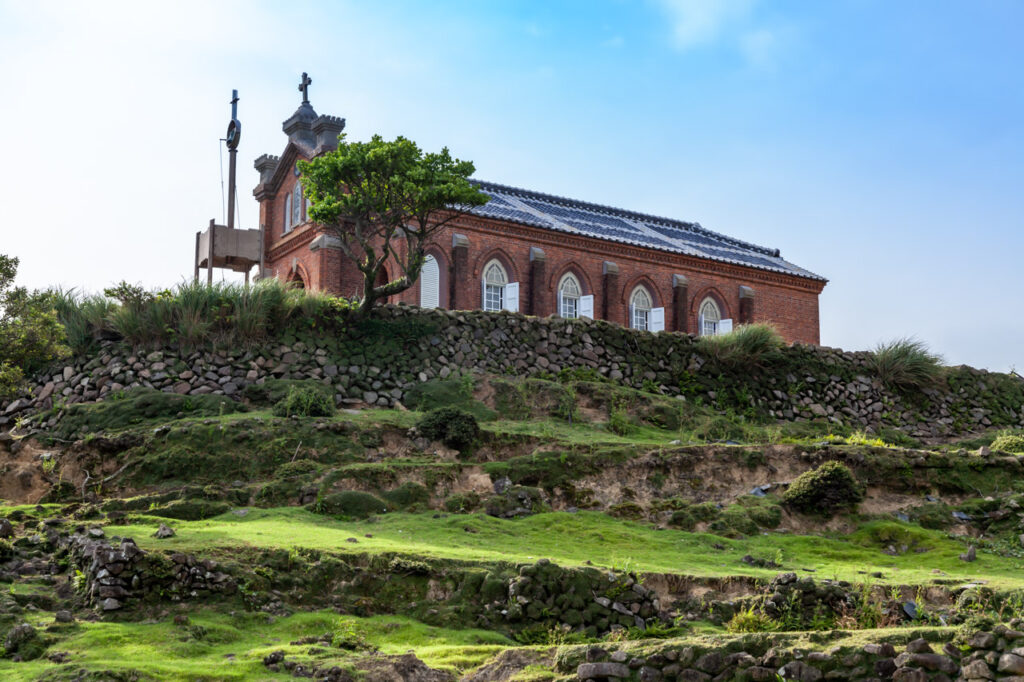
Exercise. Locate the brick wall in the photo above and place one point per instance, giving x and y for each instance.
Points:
(607, 270)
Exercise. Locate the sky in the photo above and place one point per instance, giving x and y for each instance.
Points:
(877, 143)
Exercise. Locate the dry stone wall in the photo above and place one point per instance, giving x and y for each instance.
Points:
(995, 655)
(377, 360)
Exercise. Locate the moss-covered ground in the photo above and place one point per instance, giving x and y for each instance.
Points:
(354, 540)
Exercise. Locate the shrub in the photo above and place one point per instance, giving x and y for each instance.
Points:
(1009, 442)
(351, 503)
(305, 402)
(454, 391)
(906, 364)
(407, 495)
(272, 391)
(619, 422)
(31, 337)
(746, 347)
(462, 503)
(454, 427)
(749, 620)
(825, 490)
(6, 550)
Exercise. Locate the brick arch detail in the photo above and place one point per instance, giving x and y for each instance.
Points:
(648, 283)
(577, 270)
(444, 269)
(716, 295)
(299, 273)
(499, 254)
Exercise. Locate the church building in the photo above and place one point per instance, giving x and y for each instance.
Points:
(541, 255)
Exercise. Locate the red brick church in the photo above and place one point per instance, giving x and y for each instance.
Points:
(541, 255)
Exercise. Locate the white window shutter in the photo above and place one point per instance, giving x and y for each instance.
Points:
(657, 323)
(724, 326)
(512, 297)
(430, 284)
(587, 306)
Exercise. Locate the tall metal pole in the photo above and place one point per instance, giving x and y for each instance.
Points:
(232, 152)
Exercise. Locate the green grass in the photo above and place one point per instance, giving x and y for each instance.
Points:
(572, 539)
(233, 645)
(906, 364)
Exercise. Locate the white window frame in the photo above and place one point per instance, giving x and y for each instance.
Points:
(569, 301)
(494, 288)
(709, 327)
(640, 311)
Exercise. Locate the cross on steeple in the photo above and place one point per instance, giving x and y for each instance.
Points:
(304, 87)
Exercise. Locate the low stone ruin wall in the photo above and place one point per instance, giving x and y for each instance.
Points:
(376, 361)
(115, 575)
(995, 655)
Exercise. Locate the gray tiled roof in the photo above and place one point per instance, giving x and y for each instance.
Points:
(614, 224)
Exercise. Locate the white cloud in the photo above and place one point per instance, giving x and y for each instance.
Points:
(702, 22)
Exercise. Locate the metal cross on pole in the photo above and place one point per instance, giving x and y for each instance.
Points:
(304, 87)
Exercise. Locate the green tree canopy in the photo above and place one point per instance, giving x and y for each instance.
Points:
(30, 335)
(384, 201)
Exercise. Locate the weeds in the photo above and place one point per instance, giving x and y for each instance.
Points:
(749, 346)
(906, 364)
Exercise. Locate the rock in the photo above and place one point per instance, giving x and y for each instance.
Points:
(800, 671)
(96, 532)
(909, 675)
(63, 616)
(982, 640)
(1011, 663)
(164, 531)
(599, 671)
(969, 555)
(18, 638)
(978, 670)
(919, 646)
(6, 529)
(110, 604)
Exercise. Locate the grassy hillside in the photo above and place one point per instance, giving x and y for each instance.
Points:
(533, 522)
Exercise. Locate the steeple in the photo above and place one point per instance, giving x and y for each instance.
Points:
(299, 126)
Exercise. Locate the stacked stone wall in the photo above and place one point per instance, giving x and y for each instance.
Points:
(377, 360)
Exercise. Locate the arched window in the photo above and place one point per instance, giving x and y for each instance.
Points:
(430, 284)
(495, 280)
(297, 205)
(569, 297)
(710, 316)
(287, 213)
(640, 309)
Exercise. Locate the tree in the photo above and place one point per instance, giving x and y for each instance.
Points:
(384, 201)
(31, 337)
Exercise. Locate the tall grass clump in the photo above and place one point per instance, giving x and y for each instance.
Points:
(192, 314)
(906, 364)
(748, 346)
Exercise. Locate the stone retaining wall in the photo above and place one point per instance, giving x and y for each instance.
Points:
(995, 655)
(377, 361)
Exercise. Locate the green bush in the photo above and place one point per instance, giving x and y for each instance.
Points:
(825, 490)
(193, 313)
(273, 391)
(454, 427)
(748, 346)
(619, 422)
(1009, 442)
(906, 364)
(31, 337)
(407, 495)
(6, 550)
(750, 620)
(455, 391)
(350, 503)
(462, 503)
(305, 402)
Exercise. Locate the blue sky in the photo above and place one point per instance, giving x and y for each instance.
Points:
(876, 143)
